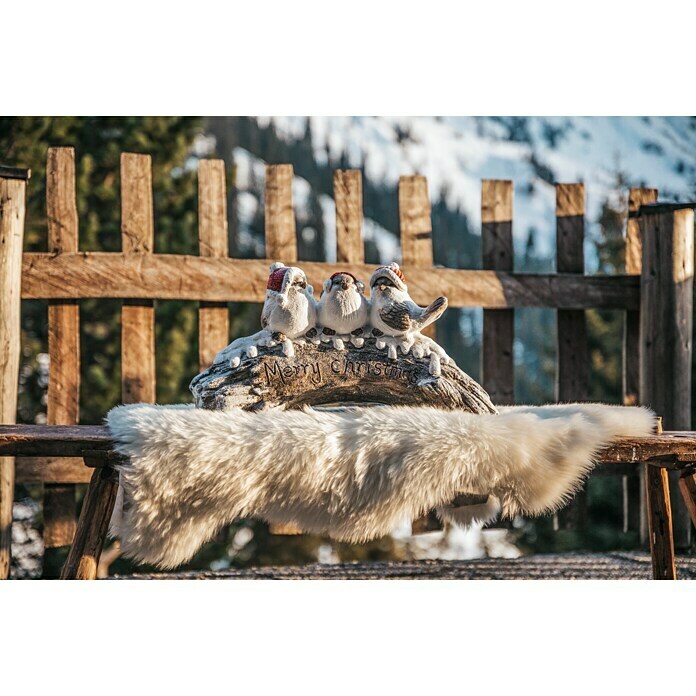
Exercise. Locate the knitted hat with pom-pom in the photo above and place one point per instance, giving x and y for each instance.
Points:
(393, 272)
(275, 280)
(335, 275)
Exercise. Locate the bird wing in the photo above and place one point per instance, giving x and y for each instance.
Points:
(265, 315)
(398, 315)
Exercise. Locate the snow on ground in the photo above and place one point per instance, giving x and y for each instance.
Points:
(27, 543)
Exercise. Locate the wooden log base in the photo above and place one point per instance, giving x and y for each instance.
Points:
(321, 374)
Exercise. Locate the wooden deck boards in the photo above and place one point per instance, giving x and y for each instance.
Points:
(569, 566)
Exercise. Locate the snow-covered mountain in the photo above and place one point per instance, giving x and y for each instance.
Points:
(455, 153)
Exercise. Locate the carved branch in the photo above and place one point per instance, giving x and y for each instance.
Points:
(321, 374)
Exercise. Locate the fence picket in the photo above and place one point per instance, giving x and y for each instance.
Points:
(281, 245)
(572, 361)
(497, 368)
(634, 502)
(415, 227)
(13, 189)
(63, 406)
(213, 317)
(349, 216)
(137, 316)
(281, 237)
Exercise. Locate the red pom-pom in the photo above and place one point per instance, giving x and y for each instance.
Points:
(275, 280)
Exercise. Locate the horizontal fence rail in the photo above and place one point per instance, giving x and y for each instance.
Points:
(179, 277)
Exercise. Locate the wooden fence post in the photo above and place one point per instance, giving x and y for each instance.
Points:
(634, 500)
(497, 366)
(666, 320)
(13, 188)
(63, 407)
(572, 362)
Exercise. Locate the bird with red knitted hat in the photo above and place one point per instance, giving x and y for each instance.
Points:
(343, 310)
(289, 311)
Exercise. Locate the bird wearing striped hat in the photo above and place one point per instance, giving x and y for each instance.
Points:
(392, 311)
(289, 311)
(343, 309)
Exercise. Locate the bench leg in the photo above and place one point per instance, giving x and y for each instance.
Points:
(660, 523)
(92, 526)
(687, 486)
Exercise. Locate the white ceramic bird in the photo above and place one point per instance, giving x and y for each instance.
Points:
(393, 312)
(289, 311)
(343, 309)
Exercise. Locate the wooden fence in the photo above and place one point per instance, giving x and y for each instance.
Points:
(63, 276)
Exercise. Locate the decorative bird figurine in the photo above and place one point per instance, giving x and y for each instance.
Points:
(343, 309)
(393, 312)
(289, 311)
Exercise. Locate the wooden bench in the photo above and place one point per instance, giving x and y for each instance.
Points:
(672, 451)
(654, 296)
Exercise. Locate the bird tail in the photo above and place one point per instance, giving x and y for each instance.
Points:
(433, 311)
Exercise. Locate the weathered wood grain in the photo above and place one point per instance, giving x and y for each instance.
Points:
(181, 277)
(281, 237)
(416, 231)
(660, 523)
(137, 315)
(497, 369)
(415, 225)
(53, 440)
(635, 505)
(52, 469)
(631, 341)
(348, 194)
(687, 486)
(322, 375)
(72, 441)
(12, 212)
(213, 318)
(92, 526)
(660, 530)
(572, 364)
(63, 399)
(666, 321)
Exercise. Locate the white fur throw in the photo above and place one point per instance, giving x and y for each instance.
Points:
(354, 475)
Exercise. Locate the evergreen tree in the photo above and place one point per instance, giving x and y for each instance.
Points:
(98, 142)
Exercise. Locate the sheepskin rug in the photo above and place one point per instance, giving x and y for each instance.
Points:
(351, 474)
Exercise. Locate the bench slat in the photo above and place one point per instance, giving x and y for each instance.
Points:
(72, 440)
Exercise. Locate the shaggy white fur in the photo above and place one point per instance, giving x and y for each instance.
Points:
(353, 474)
